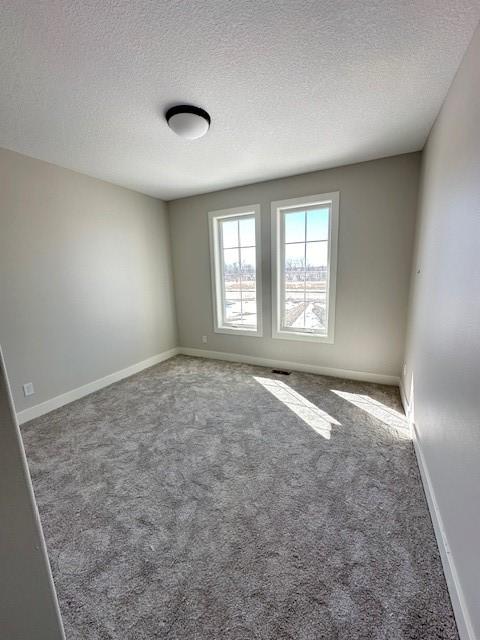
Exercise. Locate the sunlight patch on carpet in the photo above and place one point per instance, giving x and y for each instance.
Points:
(318, 420)
(390, 418)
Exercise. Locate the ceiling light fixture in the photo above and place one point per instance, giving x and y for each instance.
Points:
(187, 121)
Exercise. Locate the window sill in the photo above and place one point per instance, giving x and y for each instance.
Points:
(253, 333)
(303, 337)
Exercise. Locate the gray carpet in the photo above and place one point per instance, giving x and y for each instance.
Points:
(204, 500)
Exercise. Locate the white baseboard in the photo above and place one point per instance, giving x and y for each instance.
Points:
(364, 376)
(75, 394)
(462, 617)
(406, 407)
(405, 403)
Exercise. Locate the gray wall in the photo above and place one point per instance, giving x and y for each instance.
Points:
(377, 216)
(443, 346)
(28, 603)
(85, 277)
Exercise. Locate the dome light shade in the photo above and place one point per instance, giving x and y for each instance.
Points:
(187, 121)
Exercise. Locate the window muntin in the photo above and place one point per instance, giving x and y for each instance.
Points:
(304, 259)
(235, 273)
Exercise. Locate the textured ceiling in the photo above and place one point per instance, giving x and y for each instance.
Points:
(291, 85)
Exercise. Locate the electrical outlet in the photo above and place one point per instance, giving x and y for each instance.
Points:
(204, 339)
(404, 369)
(28, 389)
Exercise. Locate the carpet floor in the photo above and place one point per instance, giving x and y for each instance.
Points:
(204, 500)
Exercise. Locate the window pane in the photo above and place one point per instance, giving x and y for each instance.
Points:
(248, 263)
(233, 308)
(247, 232)
(247, 321)
(317, 224)
(295, 226)
(231, 271)
(294, 258)
(231, 260)
(316, 283)
(317, 254)
(315, 318)
(305, 286)
(294, 306)
(249, 295)
(316, 309)
(249, 306)
(230, 233)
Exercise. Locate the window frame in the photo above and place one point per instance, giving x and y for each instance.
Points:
(216, 269)
(278, 249)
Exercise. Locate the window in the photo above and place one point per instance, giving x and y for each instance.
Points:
(304, 258)
(236, 278)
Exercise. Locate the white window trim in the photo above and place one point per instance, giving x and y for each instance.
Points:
(215, 264)
(333, 199)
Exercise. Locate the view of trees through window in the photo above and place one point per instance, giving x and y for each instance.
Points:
(305, 269)
(239, 271)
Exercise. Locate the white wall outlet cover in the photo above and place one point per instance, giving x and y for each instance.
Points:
(28, 389)
(204, 339)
